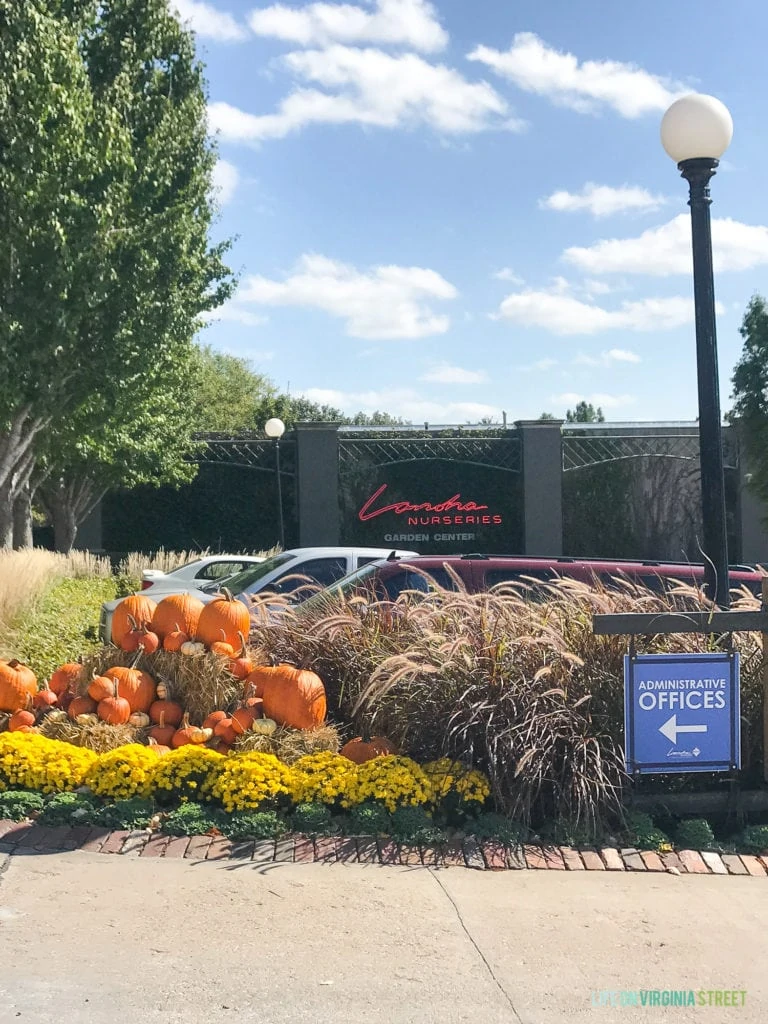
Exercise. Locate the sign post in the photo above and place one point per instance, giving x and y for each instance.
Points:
(681, 713)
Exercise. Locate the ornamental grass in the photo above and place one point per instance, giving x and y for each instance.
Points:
(513, 681)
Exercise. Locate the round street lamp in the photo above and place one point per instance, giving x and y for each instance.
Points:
(695, 131)
(275, 429)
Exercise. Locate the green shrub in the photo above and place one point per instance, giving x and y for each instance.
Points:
(496, 827)
(414, 825)
(311, 819)
(17, 804)
(641, 832)
(69, 809)
(61, 625)
(191, 819)
(369, 819)
(694, 834)
(253, 825)
(563, 833)
(134, 813)
(126, 584)
(754, 839)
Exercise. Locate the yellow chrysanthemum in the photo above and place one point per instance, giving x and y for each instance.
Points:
(392, 780)
(31, 761)
(185, 774)
(322, 778)
(123, 773)
(251, 781)
(447, 776)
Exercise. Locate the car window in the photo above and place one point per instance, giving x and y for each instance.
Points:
(366, 560)
(408, 579)
(244, 580)
(321, 571)
(219, 570)
(495, 577)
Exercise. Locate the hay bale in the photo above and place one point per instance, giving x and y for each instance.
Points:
(200, 683)
(291, 744)
(96, 736)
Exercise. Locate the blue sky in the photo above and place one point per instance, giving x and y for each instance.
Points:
(450, 209)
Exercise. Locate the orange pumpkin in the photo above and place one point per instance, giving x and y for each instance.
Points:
(224, 650)
(159, 748)
(162, 733)
(82, 706)
(136, 607)
(360, 750)
(224, 619)
(141, 638)
(44, 699)
(167, 710)
(189, 734)
(66, 677)
(135, 686)
(175, 640)
(243, 719)
(214, 718)
(114, 710)
(100, 687)
(241, 666)
(18, 685)
(20, 720)
(292, 696)
(177, 613)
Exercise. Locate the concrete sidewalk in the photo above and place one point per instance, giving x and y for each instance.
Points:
(88, 939)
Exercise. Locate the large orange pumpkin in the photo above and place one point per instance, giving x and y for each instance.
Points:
(177, 612)
(292, 696)
(224, 619)
(135, 686)
(65, 678)
(136, 607)
(18, 685)
(167, 710)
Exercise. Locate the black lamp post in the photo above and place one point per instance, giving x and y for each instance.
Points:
(695, 132)
(275, 428)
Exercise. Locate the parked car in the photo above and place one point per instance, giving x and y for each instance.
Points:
(286, 574)
(193, 575)
(390, 577)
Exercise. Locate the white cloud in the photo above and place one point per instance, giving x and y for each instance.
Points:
(386, 302)
(593, 287)
(560, 313)
(444, 373)
(603, 200)
(369, 87)
(210, 23)
(404, 402)
(411, 23)
(667, 249)
(508, 274)
(609, 358)
(600, 400)
(233, 313)
(586, 87)
(226, 178)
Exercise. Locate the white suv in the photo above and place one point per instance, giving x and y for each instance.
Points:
(284, 573)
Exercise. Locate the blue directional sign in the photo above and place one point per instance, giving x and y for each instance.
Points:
(681, 713)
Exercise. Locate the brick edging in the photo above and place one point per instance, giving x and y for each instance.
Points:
(28, 837)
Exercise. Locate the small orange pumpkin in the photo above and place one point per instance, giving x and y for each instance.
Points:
(214, 718)
(225, 732)
(19, 720)
(114, 710)
(162, 733)
(174, 640)
(360, 750)
(65, 678)
(159, 748)
(100, 687)
(82, 706)
(241, 666)
(243, 719)
(222, 649)
(190, 734)
(44, 699)
(167, 710)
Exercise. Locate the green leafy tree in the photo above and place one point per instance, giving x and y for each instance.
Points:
(546, 417)
(584, 412)
(750, 393)
(228, 393)
(119, 201)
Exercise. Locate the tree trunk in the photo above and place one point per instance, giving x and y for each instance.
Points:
(22, 519)
(6, 516)
(64, 521)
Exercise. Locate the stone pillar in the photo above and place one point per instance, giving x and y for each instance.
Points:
(317, 483)
(542, 445)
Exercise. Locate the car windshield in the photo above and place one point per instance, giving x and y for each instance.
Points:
(242, 580)
(346, 585)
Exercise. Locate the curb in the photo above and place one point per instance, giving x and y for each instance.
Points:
(28, 838)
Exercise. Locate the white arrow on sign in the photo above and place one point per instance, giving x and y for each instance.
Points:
(671, 729)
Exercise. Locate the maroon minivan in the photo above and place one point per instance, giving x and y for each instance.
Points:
(388, 578)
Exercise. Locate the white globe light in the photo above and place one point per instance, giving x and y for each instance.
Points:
(274, 428)
(696, 126)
